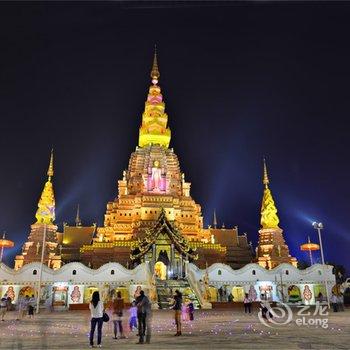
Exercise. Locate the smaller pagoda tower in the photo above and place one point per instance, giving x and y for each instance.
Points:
(45, 217)
(272, 249)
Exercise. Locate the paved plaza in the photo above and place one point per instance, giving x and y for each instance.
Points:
(212, 329)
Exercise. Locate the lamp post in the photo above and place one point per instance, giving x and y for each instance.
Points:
(319, 226)
(41, 269)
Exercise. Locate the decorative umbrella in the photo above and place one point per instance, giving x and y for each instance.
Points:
(309, 247)
(5, 243)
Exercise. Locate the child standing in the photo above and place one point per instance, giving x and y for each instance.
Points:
(185, 311)
(133, 316)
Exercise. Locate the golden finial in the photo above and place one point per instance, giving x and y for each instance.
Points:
(155, 71)
(50, 170)
(266, 177)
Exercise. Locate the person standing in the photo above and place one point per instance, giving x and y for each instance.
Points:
(143, 317)
(191, 310)
(177, 310)
(334, 302)
(9, 302)
(31, 306)
(220, 294)
(340, 302)
(96, 309)
(3, 307)
(22, 307)
(117, 315)
(247, 304)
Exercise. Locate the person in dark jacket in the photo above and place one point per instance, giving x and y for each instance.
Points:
(191, 310)
(143, 317)
(177, 309)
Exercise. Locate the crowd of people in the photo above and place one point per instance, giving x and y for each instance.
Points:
(140, 315)
(26, 306)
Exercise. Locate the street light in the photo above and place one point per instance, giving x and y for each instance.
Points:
(319, 226)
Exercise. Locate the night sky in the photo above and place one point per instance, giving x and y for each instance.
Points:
(240, 82)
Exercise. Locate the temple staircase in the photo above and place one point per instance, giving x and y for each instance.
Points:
(166, 290)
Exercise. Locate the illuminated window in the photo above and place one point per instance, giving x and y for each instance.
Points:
(35, 272)
(74, 272)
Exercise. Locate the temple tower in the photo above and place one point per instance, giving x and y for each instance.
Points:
(45, 217)
(272, 249)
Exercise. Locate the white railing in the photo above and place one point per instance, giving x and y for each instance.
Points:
(194, 284)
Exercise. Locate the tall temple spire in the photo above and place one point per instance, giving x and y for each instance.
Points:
(269, 218)
(266, 177)
(50, 169)
(215, 222)
(155, 71)
(45, 213)
(154, 130)
(77, 217)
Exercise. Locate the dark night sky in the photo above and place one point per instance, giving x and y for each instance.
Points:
(240, 82)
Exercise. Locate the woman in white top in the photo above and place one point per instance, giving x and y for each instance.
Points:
(96, 308)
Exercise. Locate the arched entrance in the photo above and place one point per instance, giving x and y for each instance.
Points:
(160, 270)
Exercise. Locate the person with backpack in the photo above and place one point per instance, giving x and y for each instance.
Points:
(96, 309)
(117, 315)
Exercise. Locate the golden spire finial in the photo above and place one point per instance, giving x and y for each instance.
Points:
(45, 213)
(155, 71)
(269, 217)
(50, 170)
(266, 180)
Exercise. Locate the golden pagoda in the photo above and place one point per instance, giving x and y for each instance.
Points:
(154, 217)
(272, 249)
(44, 225)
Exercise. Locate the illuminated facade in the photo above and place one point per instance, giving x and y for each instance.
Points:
(154, 200)
(272, 249)
(44, 225)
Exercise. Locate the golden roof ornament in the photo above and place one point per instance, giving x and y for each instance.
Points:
(45, 213)
(269, 218)
(154, 130)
